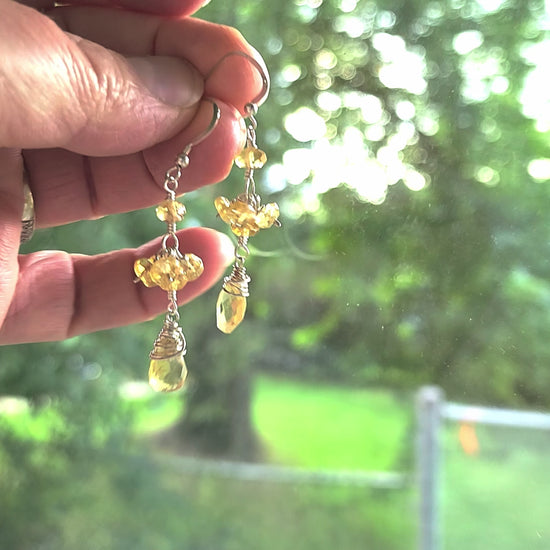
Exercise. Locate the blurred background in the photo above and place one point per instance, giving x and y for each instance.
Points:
(408, 146)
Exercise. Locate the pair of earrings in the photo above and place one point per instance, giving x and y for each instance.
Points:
(171, 270)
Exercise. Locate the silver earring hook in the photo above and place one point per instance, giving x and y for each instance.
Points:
(182, 160)
(265, 79)
(213, 123)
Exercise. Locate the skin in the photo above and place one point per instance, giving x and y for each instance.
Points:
(96, 101)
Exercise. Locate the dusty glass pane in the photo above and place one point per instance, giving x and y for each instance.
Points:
(407, 149)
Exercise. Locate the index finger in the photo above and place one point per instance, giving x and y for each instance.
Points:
(159, 7)
(232, 78)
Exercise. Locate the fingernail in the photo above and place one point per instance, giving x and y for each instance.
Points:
(171, 80)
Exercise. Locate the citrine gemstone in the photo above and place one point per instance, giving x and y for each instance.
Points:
(251, 157)
(230, 310)
(169, 273)
(142, 269)
(243, 219)
(193, 267)
(267, 215)
(171, 211)
(166, 375)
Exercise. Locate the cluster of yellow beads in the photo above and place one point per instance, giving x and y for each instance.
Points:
(167, 271)
(251, 157)
(243, 218)
(170, 211)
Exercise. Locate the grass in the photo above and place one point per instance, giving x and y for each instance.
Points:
(122, 505)
(323, 426)
(500, 497)
(495, 499)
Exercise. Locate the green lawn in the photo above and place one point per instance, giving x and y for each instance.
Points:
(497, 499)
(133, 503)
(325, 426)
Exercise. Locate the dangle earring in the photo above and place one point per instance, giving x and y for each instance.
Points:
(171, 270)
(245, 216)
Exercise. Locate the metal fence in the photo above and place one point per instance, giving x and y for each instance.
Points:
(432, 411)
(246, 471)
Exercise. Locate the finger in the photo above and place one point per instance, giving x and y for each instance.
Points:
(60, 90)
(11, 207)
(235, 80)
(160, 7)
(68, 187)
(60, 296)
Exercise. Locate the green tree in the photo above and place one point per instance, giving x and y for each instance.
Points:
(435, 280)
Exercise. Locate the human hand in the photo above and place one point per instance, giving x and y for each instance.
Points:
(97, 102)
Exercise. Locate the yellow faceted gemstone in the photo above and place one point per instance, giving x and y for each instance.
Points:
(222, 205)
(142, 269)
(170, 211)
(240, 216)
(168, 374)
(268, 215)
(193, 266)
(230, 310)
(251, 157)
(169, 273)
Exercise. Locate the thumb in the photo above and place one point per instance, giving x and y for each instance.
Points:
(59, 90)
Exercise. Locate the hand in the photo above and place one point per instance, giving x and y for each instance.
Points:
(96, 102)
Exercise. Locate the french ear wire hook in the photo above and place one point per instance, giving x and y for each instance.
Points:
(265, 79)
(203, 135)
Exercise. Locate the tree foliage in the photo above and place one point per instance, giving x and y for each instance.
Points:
(403, 140)
(408, 144)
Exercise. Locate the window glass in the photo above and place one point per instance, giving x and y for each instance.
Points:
(408, 150)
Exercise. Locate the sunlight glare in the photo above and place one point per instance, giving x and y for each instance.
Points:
(353, 26)
(134, 389)
(297, 165)
(326, 59)
(402, 69)
(490, 6)
(328, 101)
(414, 180)
(376, 132)
(348, 6)
(305, 125)
(467, 41)
(291, 73)
(539, 169)
(488, 176)
(480, 73)
(405, 110)
(276, 178)
(535, 95)
(368, 179)
(13, 405)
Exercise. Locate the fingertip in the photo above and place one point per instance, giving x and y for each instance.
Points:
(227, 249)
(245, 67)
(241, 72)
(180, 8)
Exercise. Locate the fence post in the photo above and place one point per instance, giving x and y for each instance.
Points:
(429, 405)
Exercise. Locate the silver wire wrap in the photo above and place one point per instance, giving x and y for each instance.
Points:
(170, 242)
(237, 282)
(250, 185)
(169, 342)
